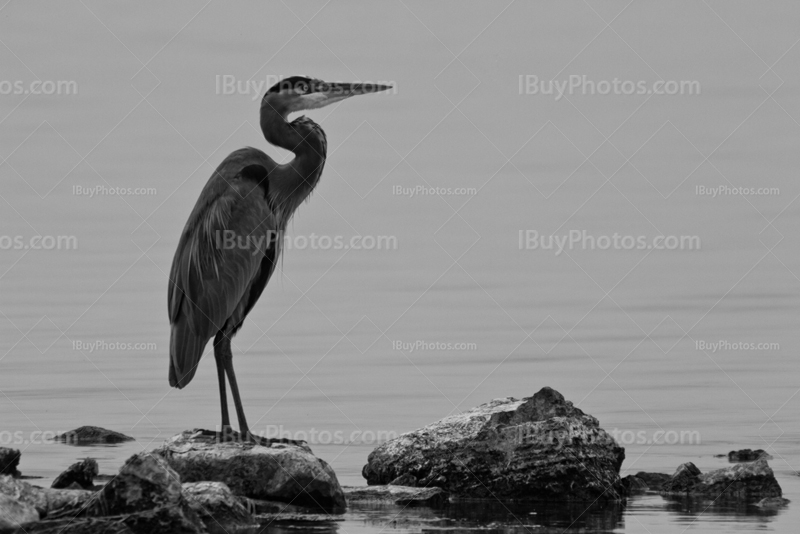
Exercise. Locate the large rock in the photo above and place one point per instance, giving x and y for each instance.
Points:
(90, 435)
(14, 513)
(9, 460)
(744, 482)
(281, 471)
(537, 448)
(80, 474)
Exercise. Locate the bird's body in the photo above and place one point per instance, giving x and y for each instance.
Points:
(231, 243)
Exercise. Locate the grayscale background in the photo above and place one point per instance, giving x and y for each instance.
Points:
(462, 304)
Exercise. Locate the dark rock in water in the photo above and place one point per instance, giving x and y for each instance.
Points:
(537, 448)
(745, 482)
(748, 455)
(47, 502)
(401, 495)
(653, 480)
(9, 460)
(14, 513)
(88, 435)
(216, 505)
(81, 474)
(280, 472)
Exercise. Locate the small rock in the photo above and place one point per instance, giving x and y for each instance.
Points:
(653, 480)
(280, 472)
(748, 455)
(14, 513)
(88, 435)
(772, 502)
(216, 505)
(744, 482)
(538, 448)
(401, 495)
(79, 474)
(9, 460)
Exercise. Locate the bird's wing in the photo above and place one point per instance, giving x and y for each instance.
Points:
(219, 256)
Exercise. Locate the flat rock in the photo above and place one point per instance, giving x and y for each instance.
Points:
(14, 513)
(537, 448)
(81, 474)
(770, 503)
(9, 460)
(216, 505)
(748, 455)
(282, 471)
(91, 435)
(401, 495)
(45, 501)
(746, 482)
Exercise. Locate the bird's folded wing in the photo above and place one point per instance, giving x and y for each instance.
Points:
(219, 256)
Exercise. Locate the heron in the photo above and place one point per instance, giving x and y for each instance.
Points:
(230, 245)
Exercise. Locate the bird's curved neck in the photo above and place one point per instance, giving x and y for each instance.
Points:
(293, 182)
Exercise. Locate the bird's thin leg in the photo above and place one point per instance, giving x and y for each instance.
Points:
(219, 357)
(225, 346)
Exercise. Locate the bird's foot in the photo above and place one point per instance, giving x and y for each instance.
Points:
(269, 442)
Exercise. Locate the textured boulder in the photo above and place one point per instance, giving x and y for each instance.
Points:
(81, 474)
(9, 460)
(400, 495)
(216, 505)
(47, 502)
(279, 472)
(14, 513)
(748, 455)
(537, 448)
(89, 435)
(745, 482)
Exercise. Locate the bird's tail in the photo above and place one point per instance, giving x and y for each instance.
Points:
(185, 350)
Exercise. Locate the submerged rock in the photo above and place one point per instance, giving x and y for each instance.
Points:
(81, 474)
(88, 435)
(282, 472)
(537, 448)
(746, 482)
(770, 503)
(401, 495)
(9, 460)
(14, 513)
(216, 505)
(748, 455)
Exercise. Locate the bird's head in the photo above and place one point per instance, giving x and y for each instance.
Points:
(297, 93)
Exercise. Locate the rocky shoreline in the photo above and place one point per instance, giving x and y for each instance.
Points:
(537, 449)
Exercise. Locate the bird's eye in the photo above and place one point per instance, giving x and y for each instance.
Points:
(302, 87)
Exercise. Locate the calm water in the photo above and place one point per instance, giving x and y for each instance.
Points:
(619, 332)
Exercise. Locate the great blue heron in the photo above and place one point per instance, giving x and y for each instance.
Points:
(231, 243)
